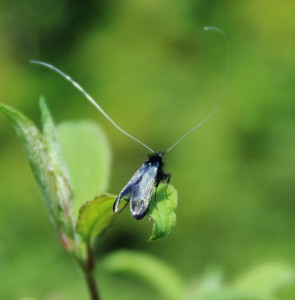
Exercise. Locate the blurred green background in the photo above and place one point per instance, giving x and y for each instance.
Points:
(157, 73)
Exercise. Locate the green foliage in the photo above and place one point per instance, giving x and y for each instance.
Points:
(44, 154)
(34, 148)
(162, 211)
(94, 217)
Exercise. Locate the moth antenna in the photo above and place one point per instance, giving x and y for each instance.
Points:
(90, 99)
(212, 28)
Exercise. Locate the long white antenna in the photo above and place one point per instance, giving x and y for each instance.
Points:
(89, 98)
(213, 28)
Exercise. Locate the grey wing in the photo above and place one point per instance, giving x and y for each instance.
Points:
(127, 189)
(141, 193)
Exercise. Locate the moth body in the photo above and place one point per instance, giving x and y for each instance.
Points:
(138, 191)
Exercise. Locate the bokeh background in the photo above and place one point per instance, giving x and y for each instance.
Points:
(157, 73)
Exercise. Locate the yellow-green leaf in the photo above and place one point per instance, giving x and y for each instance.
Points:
(162, 211)
(95, 216)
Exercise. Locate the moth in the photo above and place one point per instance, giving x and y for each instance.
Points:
(141, 185)
(138, 191)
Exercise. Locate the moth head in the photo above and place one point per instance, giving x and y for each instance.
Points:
(156, 157)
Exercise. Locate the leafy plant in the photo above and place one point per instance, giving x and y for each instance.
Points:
(67, 184)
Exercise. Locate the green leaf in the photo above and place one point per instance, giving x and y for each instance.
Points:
(149, 268)
(95, 216)
(162, 211)
(87, 153)
(34, 148)
(53, 150)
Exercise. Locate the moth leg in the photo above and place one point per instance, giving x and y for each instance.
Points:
(168, 177)
(124, 206)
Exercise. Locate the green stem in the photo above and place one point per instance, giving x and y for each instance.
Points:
(88, 272)
(92, 288)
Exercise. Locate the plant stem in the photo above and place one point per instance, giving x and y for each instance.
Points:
(91, 285)
(88, 269)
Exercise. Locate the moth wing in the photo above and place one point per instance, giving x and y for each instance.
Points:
(141, 192)
(127, 189)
